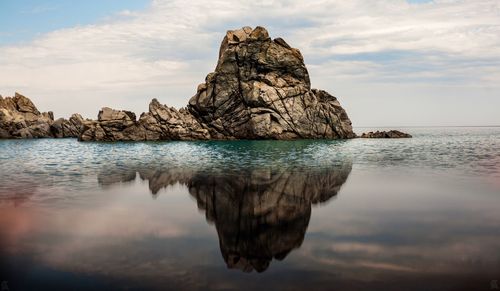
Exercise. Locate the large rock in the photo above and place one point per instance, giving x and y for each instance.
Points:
(260, 90)
(19, 118)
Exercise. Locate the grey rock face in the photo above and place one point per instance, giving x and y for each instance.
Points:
(386, 134)
(260, 90)
(19, 118)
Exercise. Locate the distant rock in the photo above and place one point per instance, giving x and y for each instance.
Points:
(260, 90)
(386, 134)
(19, 118)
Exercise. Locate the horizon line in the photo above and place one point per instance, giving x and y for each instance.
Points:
(417, 126)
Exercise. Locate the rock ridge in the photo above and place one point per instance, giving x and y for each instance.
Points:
(19, 118)
(260, 89)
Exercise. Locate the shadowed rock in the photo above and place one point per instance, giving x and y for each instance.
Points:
(68, 128)
(386, 134)
(260, 89)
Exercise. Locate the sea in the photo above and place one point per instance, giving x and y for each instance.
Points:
(361, 214)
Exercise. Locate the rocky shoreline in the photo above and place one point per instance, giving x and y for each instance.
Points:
(19, 118)
(260, 89)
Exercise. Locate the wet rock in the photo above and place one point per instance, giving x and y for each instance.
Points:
(386, 134)
(260, 89)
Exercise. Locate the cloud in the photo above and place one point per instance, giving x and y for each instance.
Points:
(165, 50)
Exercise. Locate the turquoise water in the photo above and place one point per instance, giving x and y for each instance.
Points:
(413, 214)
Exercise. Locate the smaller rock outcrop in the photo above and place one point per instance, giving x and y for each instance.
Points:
(386, 134)
(68, 128)
(160, 123)
(19, 118)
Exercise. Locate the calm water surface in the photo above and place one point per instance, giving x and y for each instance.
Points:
(408, 214)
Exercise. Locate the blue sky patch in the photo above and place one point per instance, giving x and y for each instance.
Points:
(22, 20)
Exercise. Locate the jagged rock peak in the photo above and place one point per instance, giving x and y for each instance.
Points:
(18, 103)
(260, 89)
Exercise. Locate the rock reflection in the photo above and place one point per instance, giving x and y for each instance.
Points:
(259, 214)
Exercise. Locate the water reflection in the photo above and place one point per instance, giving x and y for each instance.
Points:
(259, 214)
(80, 216)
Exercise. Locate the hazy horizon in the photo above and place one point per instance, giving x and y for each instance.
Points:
(390, 62)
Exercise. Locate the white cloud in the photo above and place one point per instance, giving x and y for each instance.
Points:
(167, 49)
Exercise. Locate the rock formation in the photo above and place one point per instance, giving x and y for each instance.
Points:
(19, 118)
(160, 123)
(260, 90)
(71, 127)
(260, 214)
(386, 134)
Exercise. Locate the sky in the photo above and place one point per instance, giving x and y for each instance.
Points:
(389, 62)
